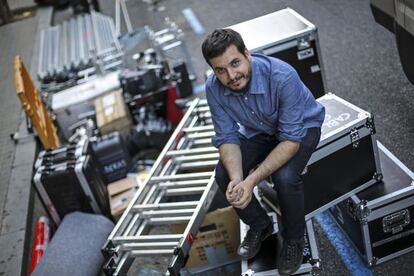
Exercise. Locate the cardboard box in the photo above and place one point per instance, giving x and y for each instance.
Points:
(216, 242)
(112, 114)
(120, 194)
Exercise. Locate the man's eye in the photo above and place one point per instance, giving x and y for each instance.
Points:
(235, 63)
(219, 70)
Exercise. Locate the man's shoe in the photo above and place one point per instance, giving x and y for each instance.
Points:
(290, 259)
(253, 241)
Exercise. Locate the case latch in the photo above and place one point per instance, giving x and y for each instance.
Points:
(395, 222)
(354, 135)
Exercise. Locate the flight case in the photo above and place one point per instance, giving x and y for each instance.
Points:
(345, 160)
(287, 35)
(379, 220)
(74, 185)
(264, 263)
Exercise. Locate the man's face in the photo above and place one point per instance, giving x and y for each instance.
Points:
(232, 68)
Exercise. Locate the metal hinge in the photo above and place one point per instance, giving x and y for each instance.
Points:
(370, 124)
(354, 135)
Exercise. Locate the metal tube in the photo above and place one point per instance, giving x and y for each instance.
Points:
(185, 183)
(182, 176)
(169, 220)
(209, 156)
(156, 213)
(40, 67)
(136, 253)
(185, 191)
(96, 32)
(205, 134)
(82, 42)
(126, 16)
(165, 206)
(198, 128)
(148, 238)
(148, 245)
(192, 151)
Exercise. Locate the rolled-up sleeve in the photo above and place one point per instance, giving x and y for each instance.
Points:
(291, 110)
(226, 129)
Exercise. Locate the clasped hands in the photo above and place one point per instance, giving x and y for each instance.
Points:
(239, 193)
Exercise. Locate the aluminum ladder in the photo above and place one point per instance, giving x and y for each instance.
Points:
(183, 170)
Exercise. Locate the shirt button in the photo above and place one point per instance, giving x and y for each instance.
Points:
(261, 123)
(245, 98)
(252, 112)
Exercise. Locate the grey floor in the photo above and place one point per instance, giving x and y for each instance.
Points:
(360, 60)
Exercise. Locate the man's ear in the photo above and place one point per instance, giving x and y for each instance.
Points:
(247, 54)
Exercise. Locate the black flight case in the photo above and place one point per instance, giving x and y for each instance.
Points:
(71, 185)
(345, 161)
(287, 35)
(264, 263)
(379, 220)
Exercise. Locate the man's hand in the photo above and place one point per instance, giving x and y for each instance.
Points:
(244, 191)
(231, 193)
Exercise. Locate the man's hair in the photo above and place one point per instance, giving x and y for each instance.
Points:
(219, 40)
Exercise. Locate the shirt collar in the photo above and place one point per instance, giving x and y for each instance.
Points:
(256, 83)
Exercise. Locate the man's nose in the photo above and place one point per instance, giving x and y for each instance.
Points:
(231, 74)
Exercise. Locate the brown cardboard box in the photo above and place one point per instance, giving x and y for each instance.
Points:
(216, 242)
(112, 114)
(121, 192)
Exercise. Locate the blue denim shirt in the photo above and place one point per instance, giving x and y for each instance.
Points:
(276, 102)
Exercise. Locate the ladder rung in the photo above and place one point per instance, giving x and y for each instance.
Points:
(168, 212)
(201, 164)
(207, 156)
(186, 183)
(165, 206)
(181, 176)
(198, 135)
(191, 151)
(148, 245)
(201, 109)
(147, 238)
(169, 220)
(198, 128)
(185, 191)
(138, 253)
(204, 141)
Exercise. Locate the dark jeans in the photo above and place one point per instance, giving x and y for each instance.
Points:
(288, 182)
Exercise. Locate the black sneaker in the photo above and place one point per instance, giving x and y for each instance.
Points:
(253, 241)
(290, 259)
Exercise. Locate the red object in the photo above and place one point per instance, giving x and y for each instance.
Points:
(174, 114)
(190, 238)
(40, 241)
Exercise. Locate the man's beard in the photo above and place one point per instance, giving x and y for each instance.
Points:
(247, 77)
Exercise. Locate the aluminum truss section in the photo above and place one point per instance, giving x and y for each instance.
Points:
(178, 190)
(79, 46)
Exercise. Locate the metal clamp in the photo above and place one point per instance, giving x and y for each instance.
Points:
(354, 135)
(359, 211)
(370, 124)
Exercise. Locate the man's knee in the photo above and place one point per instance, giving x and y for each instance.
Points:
(287, 179)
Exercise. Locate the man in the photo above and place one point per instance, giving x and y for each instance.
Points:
(266, 120)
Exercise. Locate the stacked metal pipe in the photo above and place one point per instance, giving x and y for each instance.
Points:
(77, 44)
